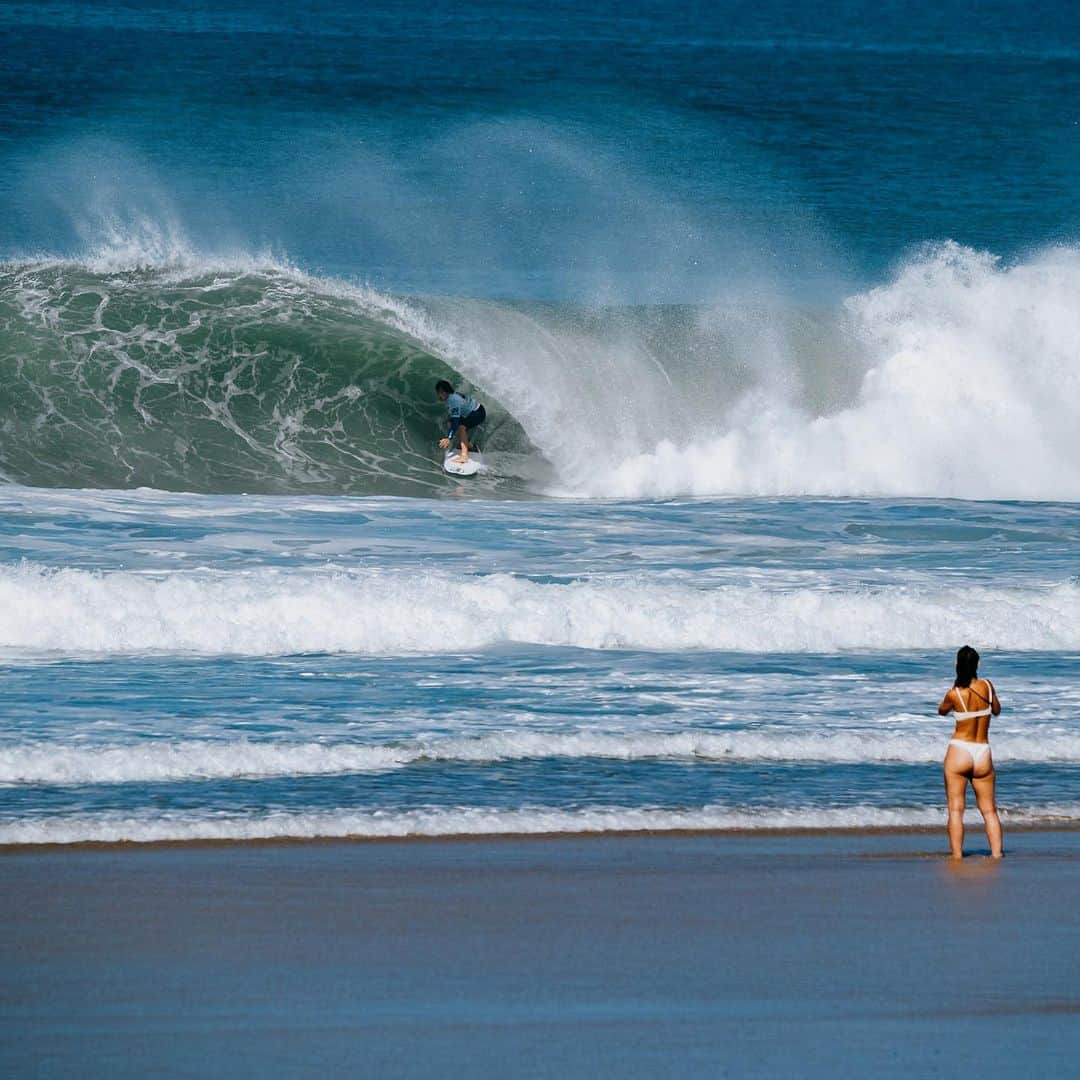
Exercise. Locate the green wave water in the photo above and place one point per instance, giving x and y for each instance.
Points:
(248, 380)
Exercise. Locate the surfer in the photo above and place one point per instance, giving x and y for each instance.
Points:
(466, 413)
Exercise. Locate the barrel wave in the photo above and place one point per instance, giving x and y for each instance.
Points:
(955, 378)
(231, 378)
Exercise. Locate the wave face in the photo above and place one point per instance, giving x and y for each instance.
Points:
(238, 378)
(267, 612)
(955, 379)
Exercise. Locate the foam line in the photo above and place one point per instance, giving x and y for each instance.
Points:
(267, 612)
(472, 821)
(150, 761)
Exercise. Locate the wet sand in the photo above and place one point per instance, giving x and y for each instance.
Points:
(809, 955)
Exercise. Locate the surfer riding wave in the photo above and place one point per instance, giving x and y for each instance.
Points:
(466, 414)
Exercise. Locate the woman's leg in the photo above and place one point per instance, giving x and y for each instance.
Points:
(464, 454)
(956, 780)
(984, 796)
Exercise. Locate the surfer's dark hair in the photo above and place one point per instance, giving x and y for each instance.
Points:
(442, 386)
(967, 665)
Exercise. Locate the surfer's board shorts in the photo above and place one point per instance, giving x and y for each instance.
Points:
(475, 418)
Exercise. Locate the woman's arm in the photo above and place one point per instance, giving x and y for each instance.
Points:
(995, 705)
(947, 703)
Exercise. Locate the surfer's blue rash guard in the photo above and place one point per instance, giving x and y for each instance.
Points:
(460, 406)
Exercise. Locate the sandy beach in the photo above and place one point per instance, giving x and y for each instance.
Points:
(806, 955)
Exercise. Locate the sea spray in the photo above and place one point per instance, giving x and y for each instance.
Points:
(971, 390)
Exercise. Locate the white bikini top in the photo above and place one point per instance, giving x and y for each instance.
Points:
(973, 715)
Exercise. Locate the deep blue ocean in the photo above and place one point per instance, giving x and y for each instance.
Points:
(775, 311)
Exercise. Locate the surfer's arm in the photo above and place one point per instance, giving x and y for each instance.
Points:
(455, 423)
(456, 416)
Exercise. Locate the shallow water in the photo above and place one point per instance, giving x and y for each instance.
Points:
(182, 666)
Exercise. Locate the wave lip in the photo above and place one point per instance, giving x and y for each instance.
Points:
(115, 827)
(268, 612)
(153, 761)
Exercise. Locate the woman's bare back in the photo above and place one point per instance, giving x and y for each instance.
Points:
(975, 698)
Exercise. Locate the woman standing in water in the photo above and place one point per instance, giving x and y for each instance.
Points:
(968, 755)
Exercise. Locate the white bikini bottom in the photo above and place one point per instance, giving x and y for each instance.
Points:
(975, 750)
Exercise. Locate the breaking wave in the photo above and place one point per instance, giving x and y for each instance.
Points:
(955, 378)
(269, 612)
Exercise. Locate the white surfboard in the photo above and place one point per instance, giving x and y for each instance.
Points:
(458, 468)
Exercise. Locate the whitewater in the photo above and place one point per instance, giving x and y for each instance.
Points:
(268, 612)
(184, 666)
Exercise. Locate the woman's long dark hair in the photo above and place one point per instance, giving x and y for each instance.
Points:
(967, 666)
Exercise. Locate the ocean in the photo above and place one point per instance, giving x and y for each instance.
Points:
(773, 308)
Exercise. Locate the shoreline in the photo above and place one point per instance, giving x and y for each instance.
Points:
(598, 835)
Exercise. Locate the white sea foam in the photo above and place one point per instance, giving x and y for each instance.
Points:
(971, 390)
(474, 821)
(267, 612)
(156, 760)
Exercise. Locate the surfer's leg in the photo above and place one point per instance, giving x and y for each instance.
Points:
(464, 455)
